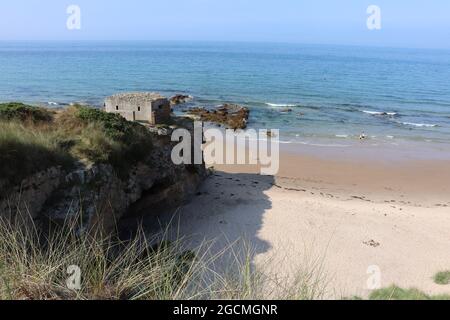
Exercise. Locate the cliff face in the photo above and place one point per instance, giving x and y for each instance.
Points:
(98, 197)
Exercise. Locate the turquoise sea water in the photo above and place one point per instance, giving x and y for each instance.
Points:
(335, 92)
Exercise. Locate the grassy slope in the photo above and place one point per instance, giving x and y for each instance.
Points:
(33, 139)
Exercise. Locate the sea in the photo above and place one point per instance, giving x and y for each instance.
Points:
(314, 94)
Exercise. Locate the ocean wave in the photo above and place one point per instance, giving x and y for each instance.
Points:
(426, 125)
(276, 105)
(51, 103)
(380, 113)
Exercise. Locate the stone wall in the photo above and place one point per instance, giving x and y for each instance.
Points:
(148, 107)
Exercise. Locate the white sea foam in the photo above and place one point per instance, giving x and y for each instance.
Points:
(427, 125)
(342, 136)
(51, 103)
(280, 105)
(380, 113)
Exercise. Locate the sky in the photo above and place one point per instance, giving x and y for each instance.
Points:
(404, 23)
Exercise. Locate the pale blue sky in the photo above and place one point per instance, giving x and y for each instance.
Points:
(405, 23)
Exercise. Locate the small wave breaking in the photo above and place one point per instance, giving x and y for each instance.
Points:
(380, 113)
(421, 125)
(281, 105)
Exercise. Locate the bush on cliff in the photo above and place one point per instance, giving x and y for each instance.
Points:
(22, 112)
(33, 139)
(101, 137)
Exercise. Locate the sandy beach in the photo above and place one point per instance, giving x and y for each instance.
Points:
(349, 213)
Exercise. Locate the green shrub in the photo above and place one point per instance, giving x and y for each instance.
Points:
(442, 278)
(28, 145)
(110, 138)
(94, 145)
(115, 126)
(22, 112)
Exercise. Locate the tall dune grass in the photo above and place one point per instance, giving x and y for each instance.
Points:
(33, 265)
(25, 150)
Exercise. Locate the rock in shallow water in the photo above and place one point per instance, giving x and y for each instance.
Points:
(179, 99)
(230, 115)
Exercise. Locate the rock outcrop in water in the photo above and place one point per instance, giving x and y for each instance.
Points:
(230, 115)
(179, 99)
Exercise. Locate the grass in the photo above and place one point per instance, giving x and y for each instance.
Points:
(33, 139)
(109, 138)
(22, 112)
(34, 264)
(442, 278)
(25, 151)
(397, 293)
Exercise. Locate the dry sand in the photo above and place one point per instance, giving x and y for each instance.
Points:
(353, 213)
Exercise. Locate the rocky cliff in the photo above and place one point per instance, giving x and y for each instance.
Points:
(98, 196)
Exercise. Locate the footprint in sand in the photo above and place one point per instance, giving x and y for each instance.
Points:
(372, 243)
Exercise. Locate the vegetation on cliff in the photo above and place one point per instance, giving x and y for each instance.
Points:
(33, 139)
(99, 137)
(25, 151)
(22, 112)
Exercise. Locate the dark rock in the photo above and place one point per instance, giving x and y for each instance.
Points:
(230, 115)
(179, 99)
(270, 134)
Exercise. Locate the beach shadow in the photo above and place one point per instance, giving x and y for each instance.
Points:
(224, 218)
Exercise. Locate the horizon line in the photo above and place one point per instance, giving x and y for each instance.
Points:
(229, 42)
